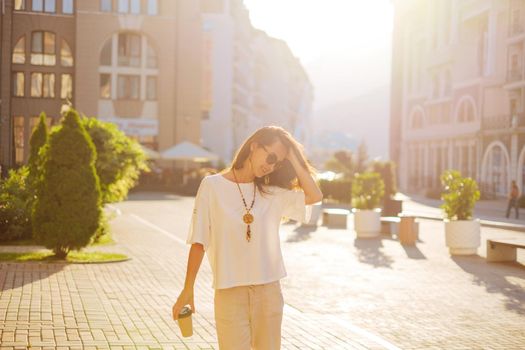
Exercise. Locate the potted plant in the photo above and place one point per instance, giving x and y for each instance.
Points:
(460, 194)
(367, 192)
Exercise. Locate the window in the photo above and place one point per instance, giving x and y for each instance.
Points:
(129, 50)
(18, 84)
(105, 55)
(19, 52)
(43, 85)
(18, 131)
(38, 5)
(48, 89)
(128, 87)
(123, 6)
(466, 112)
(151, 58)
(105, 86)
(44, 6)
(66, 86)
(36, 84)
(20, 5)
(151, 88)
(153, 7)
(67, 6)
(105, 5)
(66, 57)
(43, 49)
(50, 6)
(135, 7)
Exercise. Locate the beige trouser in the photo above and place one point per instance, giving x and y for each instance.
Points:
(249, 317)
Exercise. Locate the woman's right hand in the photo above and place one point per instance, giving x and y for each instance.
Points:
(185, 298)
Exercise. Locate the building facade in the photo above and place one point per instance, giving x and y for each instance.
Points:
(130, 62)
(253, 80)
(458, 80)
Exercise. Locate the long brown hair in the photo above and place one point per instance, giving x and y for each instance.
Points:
(285, 176)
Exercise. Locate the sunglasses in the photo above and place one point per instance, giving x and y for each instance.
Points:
(271, 159)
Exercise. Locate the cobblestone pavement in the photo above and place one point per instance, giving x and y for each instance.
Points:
(341, 293)
(127, 305)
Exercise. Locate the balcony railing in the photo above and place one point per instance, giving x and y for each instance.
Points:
(503, 121)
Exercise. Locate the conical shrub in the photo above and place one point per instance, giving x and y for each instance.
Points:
(67, 209)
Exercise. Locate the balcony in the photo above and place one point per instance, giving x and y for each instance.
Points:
(516, 28)
(501, 122)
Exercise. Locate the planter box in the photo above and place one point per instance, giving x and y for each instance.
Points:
(462, 237)
(392, 207)
(367, 223)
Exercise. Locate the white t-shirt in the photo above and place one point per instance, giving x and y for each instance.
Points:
(217, 223)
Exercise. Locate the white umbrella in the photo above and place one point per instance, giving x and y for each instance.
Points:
(188, 151)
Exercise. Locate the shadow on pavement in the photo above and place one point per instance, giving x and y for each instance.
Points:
(492, 276)
(301, 233)
(369, 252)
(16, 275)
(413, 252)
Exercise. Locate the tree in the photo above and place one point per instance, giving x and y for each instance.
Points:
(362, 158)
(119, 159)
(341, 162)
(38, 140)
(67, 209)
(388, 174)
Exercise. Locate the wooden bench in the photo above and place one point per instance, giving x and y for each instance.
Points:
(504, 249)
(390, 225)
(335, 217)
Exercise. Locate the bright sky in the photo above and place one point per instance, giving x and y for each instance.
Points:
(337, 40)
(316, 27)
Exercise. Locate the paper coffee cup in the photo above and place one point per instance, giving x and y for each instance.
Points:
(185, 322)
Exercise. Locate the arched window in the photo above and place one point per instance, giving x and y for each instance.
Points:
(466, 111)
(43, 49)
(66, 56)
(495, 170)
(129, 50)
(416, 121)
(19, 51)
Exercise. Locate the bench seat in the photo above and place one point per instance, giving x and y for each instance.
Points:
(504, 249)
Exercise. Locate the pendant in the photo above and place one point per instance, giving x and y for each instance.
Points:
(247, 218)
(248, 233)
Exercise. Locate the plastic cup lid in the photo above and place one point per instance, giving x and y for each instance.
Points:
(185, 312)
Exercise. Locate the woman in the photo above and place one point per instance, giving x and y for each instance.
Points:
(236, 221)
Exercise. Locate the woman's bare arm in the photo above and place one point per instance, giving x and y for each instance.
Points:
(194, 263)
(186, 295)
(312, 192)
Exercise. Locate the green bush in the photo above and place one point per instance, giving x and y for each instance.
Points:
(387, 171)
(368, 190)
(120, 159)
(67, 210)
(339, 190)
(460, 194)
(15, 221)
